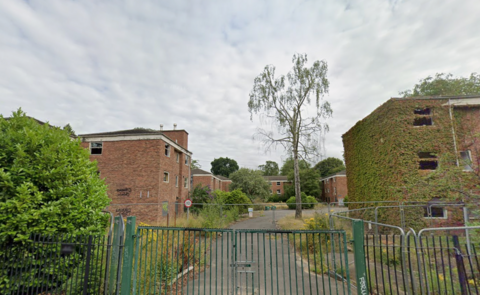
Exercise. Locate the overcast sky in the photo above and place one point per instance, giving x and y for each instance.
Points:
(114, 65)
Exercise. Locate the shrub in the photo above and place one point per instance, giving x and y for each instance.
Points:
(234, 197)
(317, 222)
(291, 203)
(48, 185)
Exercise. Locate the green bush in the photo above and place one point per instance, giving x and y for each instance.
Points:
(48, 185)
(291, 203)
(234, 197)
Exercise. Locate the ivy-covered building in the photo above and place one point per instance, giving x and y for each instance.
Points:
(404, 140)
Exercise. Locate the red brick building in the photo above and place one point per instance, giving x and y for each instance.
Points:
(205, 178)
(147, 171)
(335, 187)
(277, 183)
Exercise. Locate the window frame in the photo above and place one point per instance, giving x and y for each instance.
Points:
(186, 159)
(185, 182)
(167, 150)
(278, 183)
(165, 173)
(279, 192)
(445, 212)
(468, 153)
(176, 180)
(177, 157)
(100, 148)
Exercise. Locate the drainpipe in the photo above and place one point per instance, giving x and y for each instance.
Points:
(453, 132)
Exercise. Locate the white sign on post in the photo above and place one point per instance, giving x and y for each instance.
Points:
(188, 203)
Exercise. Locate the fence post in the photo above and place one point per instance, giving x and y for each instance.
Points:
(462, 277)
(87, 266)
(128, 256)
(114, 255)
(359, 257)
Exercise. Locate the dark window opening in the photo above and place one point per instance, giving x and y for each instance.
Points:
(437, 212)
(278, 182)
(96, 148)
(426, 155)
(425, 111)
(428, 165)
(422, 121)
(167, 150)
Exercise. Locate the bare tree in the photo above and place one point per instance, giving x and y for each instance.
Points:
(286, 102)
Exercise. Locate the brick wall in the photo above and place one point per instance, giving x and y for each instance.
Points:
(274, 186)
(179, 136)
(134, 172)
(335, 187)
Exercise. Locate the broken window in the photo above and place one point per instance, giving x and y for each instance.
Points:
(428, 161)
(420, 111)
(186, 160)
(165, 176)
(278, 192)
(424, 118)
(96, 148)
(466, 160)
(422, 121)
(436, 212)
(167, 150)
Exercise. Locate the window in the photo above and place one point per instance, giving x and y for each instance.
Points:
(428, 161)
(278, 182)
(271, 191)
(96, 148)
(278, 192)
(186, 159)
(177, 157)
(167, 150)
(424, 117)
(437, 212)
(185, 182)
(425, 111)
(466, 160)
(334, 190)
(271, 183)
(422, 121)
(165, 176)
(176, 180)
(334, 180)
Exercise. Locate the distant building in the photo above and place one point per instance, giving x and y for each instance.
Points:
(205, 178)
(335, 187)
(147, 171)
(277, 183)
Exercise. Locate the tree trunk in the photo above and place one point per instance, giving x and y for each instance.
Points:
(298, 194)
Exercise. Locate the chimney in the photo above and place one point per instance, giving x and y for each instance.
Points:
(161, 127)
(174, 126)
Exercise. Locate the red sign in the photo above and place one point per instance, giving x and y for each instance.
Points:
(188, 203)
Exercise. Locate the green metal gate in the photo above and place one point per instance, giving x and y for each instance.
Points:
(227, 261)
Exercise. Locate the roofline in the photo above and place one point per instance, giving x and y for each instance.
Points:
(437, 97)
(132, 137)
(332, 176)
(211, 175)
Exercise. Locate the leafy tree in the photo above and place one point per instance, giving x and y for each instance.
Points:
(234, 197)
(445, 84)
(48, 185)
(201, 195)
(329, 166)
(309, 183)
(269, 169)
(69, 129)
(224, 166)
(288, 166)
(287, 102)
(251, 182)
(195, 165)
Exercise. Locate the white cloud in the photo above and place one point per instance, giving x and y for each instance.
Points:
(111, 65)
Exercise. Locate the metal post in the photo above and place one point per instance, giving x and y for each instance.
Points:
(462, 277)
(128, 256)
(87, 266)
(376, 221)
(188, 213)
(465, 221)
(359, 257)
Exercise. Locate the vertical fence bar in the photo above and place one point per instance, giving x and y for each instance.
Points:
(128, 256)
(359, 256)
(87, 266)
(462, 277)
